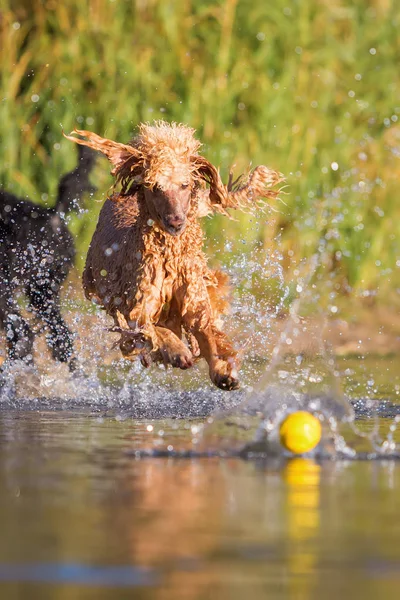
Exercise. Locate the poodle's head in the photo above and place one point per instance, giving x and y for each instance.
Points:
(163, 159)
(169, 206)
(167, 173)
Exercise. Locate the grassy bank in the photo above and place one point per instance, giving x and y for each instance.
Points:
(310, 88)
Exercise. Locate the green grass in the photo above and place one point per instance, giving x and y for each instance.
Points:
(296, 85)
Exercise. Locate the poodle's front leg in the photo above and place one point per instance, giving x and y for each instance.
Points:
(153, 343)
(171, 350)
(161, 345)
(214, 347)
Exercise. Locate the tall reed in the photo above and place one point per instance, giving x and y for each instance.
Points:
(310, 88)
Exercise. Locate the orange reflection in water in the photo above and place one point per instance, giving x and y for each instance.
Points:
(174, 500)
(189, 515)
(178, 522)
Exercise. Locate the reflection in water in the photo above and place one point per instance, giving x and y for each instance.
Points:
(74, 502)
(303, 513)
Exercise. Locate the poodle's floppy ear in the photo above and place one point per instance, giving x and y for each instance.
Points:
(245, 193)
(218, 192)
(118, 154)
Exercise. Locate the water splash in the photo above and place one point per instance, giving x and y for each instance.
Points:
(301, 375)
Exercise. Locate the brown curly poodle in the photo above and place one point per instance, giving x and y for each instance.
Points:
(146, 265)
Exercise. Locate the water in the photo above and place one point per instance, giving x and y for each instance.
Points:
(116, 482)
(81, 517)
(140, 488)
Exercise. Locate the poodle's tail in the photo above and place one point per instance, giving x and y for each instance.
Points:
(73, 185)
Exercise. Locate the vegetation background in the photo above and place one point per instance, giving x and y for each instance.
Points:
(309, 88)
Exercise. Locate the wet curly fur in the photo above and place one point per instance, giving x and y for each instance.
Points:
(146, 265)
(37, 252)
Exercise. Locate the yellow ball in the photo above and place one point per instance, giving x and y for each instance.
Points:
(300, 432)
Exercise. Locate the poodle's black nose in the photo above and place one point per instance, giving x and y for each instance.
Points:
(174, 223)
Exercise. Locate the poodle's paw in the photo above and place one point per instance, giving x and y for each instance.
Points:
(182, 362)
(172, 351)
(225, 375)
(180, 358)
(132, 345)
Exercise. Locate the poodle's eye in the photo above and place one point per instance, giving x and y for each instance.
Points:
(184, 186)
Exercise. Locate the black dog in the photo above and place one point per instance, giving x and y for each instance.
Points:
(36, 254)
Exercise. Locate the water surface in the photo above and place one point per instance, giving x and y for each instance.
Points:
(81, 517)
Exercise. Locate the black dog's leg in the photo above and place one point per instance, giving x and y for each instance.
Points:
(59, 339)
(18, 333)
